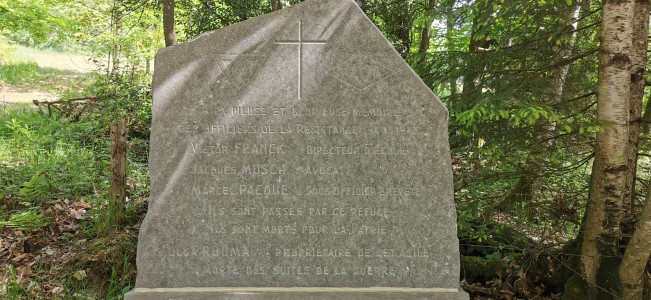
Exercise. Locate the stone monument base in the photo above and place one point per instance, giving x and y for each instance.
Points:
(307, 293)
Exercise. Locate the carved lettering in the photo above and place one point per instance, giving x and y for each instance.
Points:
(282, 211)
(375, 271)
(242, 189)
(384, 150)
(290, 270)
(259, 149)
(375, 112)
(231, 129)
(321, 171)
(208, 148)
(215, 250)
(213, 170)
(248, 111)
(313, 252)
(355, 150)
(335, 150)
(262, 169)
(361, 191)
(213, 190)
(263, 189)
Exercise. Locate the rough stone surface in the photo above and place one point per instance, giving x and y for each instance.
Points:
(296, 156)
(306, 295)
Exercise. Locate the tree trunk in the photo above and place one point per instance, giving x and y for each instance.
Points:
(631, 270)
(482, 14)
(118, 135)
(638, 70)
(276, 5)
(425, 32)
(116, 50)
(449, 36)
(637, 253)
(168, 23)
(424, 38)
(361, 4)
(600, 248)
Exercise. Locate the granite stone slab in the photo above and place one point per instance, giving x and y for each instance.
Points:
(297, 156)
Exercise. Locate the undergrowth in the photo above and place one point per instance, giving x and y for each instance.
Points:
(50, 164)
(46, 158)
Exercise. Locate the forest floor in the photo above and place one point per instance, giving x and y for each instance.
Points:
(53, 249)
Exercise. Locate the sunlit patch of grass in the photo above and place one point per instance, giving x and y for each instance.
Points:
(19, 72)
(64, 74)
(27, 75)
(49, 59)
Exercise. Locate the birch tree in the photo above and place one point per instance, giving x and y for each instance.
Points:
(600, 248)
(631, 270)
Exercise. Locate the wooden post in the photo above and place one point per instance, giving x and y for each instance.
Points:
(118, 132)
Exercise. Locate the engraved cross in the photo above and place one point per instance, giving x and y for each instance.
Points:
(300, 42)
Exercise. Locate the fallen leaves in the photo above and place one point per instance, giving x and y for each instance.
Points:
(80, 275)
(66, 214)
(33, 256)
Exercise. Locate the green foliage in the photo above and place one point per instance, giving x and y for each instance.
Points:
(396, 19)
(24, 73)
(518, 83)
(505, 256)
(111, 256)
(15, 73)
(10, 286)
(25, 220)
(485, 112)
(120, 281)
(48, 158)
(6, 51)
(43, 23)
(474, 224)
(45, 158)
(122, 98)
(215, 14)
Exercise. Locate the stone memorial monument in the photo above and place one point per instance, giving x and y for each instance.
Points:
(297, 156)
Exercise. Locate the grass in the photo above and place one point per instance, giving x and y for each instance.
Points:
(30, 219)
(50, 59)
(19, 72)
(46, 158)
(28, 76)
(33, 70)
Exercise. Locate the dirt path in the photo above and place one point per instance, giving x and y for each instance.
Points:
(8, 96)
(60, 61)
(46, 60)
